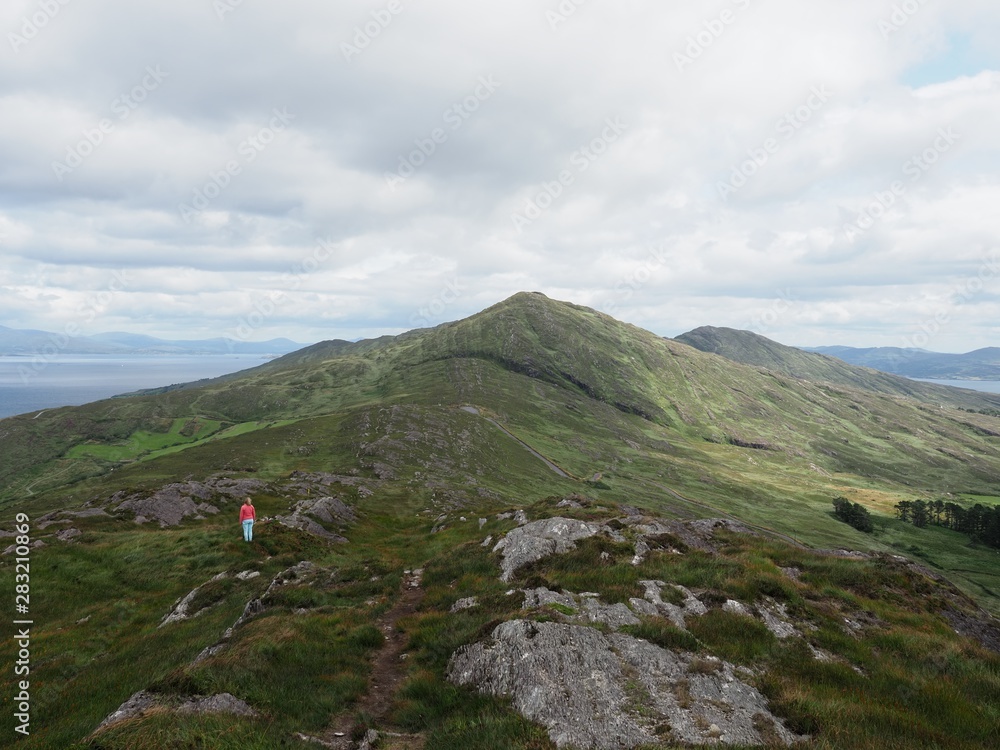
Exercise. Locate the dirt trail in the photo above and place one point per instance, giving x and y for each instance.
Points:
(561, 472)
(388, 671)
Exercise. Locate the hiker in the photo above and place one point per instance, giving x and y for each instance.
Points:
(247, 516)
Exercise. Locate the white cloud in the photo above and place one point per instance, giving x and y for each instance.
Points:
(413, 95)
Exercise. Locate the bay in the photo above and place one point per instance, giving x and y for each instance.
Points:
(30, 385)
(986, 386)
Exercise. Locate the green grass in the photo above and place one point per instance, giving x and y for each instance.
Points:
(655, 418)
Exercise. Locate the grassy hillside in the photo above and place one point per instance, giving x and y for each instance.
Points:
(632, 421)
(752, 349)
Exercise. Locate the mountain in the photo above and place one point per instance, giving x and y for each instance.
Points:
(24, 342)
(537, 527)
(982, 364)
(750, 348)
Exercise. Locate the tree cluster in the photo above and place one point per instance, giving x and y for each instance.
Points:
(852, 513)
(981, 522)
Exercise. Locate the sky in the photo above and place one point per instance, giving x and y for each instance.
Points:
(822, 173)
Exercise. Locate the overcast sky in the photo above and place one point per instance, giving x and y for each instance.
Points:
(820, 171)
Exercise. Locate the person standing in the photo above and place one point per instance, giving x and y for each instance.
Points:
(247, 516)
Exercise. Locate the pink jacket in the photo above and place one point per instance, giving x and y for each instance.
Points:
(247, 512)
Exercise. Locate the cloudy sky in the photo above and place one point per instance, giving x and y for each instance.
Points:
(822, 172)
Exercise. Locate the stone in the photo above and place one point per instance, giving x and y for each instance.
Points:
(597, 691)
(538, 539)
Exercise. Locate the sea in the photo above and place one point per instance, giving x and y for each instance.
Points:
(29, 385)
(987, 386)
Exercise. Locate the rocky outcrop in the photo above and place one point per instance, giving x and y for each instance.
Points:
(142, 703)
(174, 502)
(182, 607)
(593, 690)
(584, 608)
(538, 539)
(308, 515)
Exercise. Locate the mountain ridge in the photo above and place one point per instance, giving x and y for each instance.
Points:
(980, 364)
(750, 348)
(30, 342)
(681, 578)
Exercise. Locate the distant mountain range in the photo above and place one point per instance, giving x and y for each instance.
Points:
(749, 348)
(26, 342)
(982, 364)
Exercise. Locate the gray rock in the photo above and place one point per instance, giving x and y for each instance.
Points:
(68, 535)
(737, 608)
(223, 703)
(595, 691)
(692, 606)
(538, 539)
(135, 706)
(174, 502)
(182, 606)
(467, 603)
(775, 617)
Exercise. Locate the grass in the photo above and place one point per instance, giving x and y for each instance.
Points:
(596, 397)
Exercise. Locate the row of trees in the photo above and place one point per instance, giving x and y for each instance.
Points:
(981, 522)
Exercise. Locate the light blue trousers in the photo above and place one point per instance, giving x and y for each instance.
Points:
(248, 530)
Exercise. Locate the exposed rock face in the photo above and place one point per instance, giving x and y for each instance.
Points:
(144, 702)
(307, 515)
(653, 603)
(223, 703)
(582, 608)
(181, 610)
(172, 503)
(538, 539)
(599, 691)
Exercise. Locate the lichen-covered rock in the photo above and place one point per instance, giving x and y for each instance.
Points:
(174, 502)
(224, 703)
(539, 539)
(182, 607)
(144, 702)
(581, 608)
(595, 691)
(307, 515)
(654, 604)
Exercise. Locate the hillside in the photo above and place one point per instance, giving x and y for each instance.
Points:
(528, 486)
(753, 349)
(982, 364)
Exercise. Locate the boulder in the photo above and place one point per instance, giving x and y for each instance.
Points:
(597, 691)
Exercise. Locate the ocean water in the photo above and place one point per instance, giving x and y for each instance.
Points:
(988, 386)
(30, 385)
